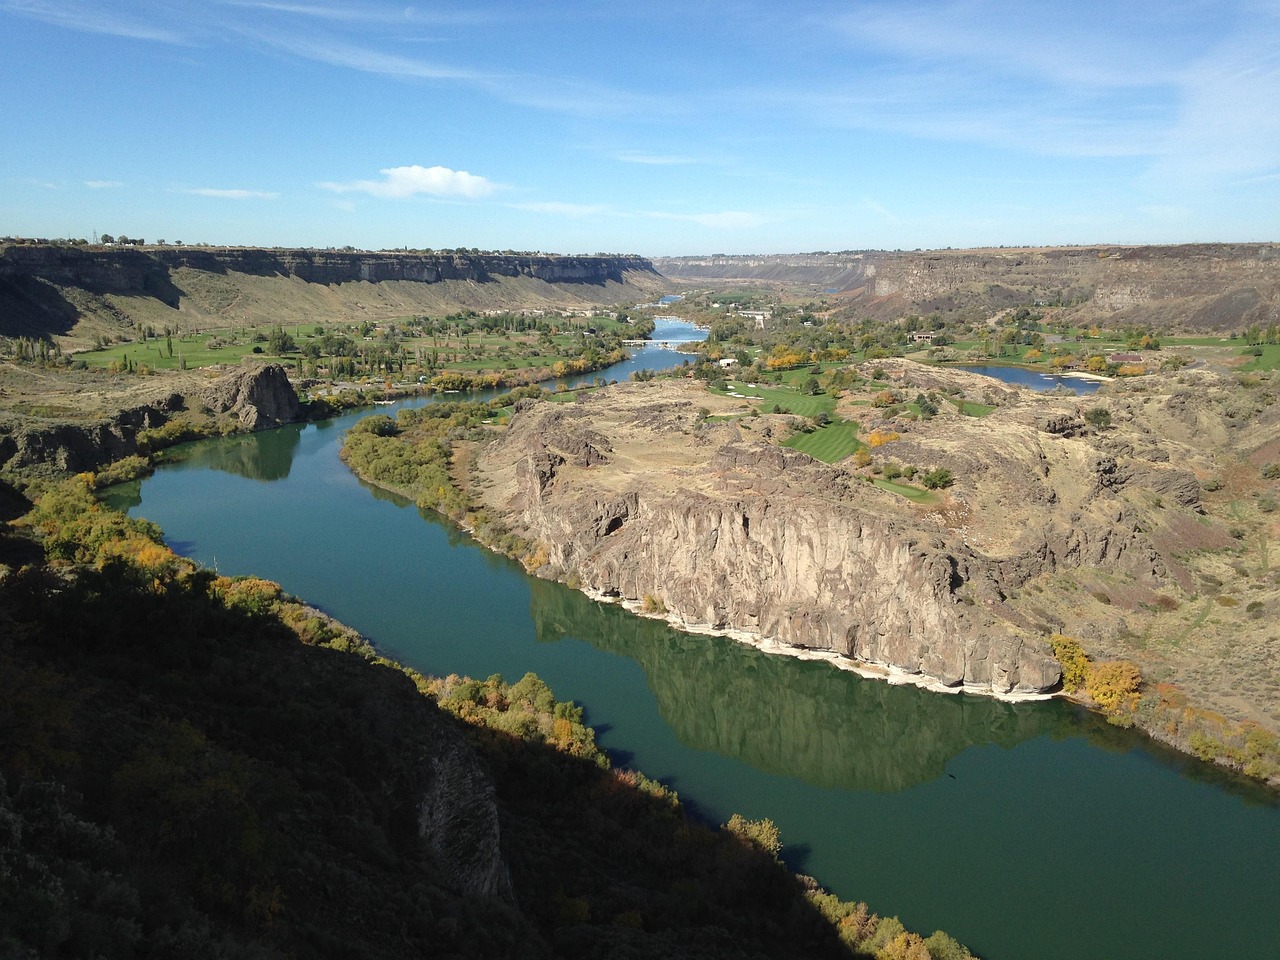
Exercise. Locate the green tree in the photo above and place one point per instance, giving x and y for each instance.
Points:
(281, 341)
(938, 478)
(1098, 417)
(761, 833)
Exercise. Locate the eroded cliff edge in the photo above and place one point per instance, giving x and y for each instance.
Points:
(92, 419)
(637, 496)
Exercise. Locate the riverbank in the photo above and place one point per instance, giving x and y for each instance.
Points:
(884, 672)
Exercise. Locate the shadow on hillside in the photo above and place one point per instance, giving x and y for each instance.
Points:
(234, 790)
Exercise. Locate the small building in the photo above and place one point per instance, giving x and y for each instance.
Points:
(1125, 358)
(921, 337)
(727, 362)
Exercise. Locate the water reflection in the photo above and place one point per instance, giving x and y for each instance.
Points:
(806, 720)
(266, 456)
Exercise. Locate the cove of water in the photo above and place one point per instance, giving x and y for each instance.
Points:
(1019, 377)
(1027, 831)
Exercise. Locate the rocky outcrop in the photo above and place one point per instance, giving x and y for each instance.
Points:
(258, 397)
(766, 541)
(27, 442)
(458, 819)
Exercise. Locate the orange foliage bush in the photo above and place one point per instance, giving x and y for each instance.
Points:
(878, 437)
(1113, 685)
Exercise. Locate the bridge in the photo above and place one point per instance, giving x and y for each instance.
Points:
(664, 344)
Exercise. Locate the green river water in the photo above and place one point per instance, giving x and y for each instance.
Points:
(1026, 831)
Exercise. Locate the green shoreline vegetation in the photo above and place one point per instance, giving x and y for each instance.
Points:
(200, 765)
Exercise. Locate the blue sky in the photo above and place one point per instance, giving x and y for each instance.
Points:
(652, 127)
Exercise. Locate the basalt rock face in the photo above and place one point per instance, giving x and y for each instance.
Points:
(1192, 286)
(27, 271)
(77, 447)
(749, 537)
(259, 398)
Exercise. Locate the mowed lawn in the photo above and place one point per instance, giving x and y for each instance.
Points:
(787, 400)
(191, 348)
(915, 494)
(830, 444)
(1268, 360)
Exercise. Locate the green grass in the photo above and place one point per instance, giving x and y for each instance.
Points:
(915, 494)
(785, 398)
(1270, 359)
(971, 409)
(830, 444)
(193, 348)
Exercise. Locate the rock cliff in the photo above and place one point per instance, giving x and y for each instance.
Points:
(48, 289)
(635, 499)
(1192, 286)
(256, 398)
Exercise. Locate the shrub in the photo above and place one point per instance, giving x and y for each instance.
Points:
(760, 833)
(938, 478)
(1113, 685)
(1098, 417)
(878, 437)
(1075, 665)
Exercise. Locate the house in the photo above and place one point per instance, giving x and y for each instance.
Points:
(921, 337)
(727, 362)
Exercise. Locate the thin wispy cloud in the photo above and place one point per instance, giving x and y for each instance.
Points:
(220, 193)
(103, 184)
(91, 18)
(656, 159)
(878, 208)
(364, 13)
(399, 183)
(338, 53)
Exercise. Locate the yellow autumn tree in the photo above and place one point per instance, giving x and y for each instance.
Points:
(879, 437)
(1113, 685)
(1075, 665)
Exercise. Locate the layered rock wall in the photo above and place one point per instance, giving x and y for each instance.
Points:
(148, 270)
(765, 542)
(257, 398)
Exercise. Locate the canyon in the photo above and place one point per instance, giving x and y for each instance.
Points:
(1184, 287)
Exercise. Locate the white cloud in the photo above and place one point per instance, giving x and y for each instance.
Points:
(232, 194)
(398, 183)
(339, 54)
(103, 184)
(366, 13)
(880, 209)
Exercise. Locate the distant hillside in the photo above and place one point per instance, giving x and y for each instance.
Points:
(80, 293)
(1197, 287)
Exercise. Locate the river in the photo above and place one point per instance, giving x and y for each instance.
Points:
(1027, 831)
